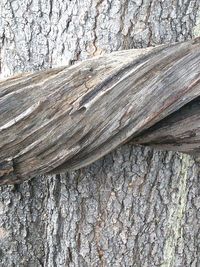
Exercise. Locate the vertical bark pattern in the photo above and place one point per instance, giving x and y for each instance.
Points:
(136, 207)
(39, 34)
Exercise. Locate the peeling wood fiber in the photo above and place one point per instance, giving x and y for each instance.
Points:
(68, 117)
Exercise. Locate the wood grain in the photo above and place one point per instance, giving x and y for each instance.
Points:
(68, 117)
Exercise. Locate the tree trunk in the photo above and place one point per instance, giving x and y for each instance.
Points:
(136, 206)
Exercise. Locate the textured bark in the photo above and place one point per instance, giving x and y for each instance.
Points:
(134, 207)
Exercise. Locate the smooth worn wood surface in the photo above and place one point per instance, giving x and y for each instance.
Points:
(68, 117)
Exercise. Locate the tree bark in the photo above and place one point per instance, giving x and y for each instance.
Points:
(136, 206)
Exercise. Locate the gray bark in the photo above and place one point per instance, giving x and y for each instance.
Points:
(136, 206)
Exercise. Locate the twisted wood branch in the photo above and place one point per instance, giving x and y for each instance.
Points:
(68, 117)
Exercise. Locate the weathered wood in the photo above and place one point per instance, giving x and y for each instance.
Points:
(178, 132)
(68, 117)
